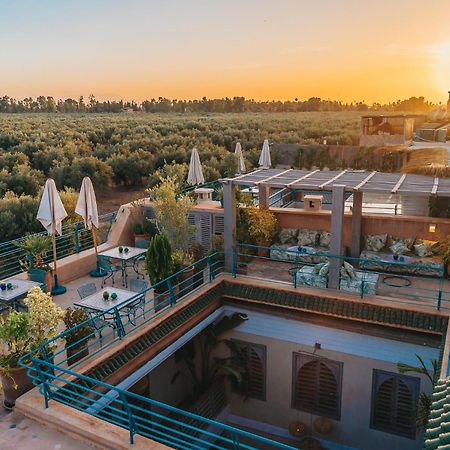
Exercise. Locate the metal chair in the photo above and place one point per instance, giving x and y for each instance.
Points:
(106, 266)
(139, 303)
(86, 290)
(102, 322)
(141, 243)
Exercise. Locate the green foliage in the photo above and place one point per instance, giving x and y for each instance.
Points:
(171, 211)
(77, 317)
(14, 339)
(35, 247)
(158, 259)
(424, 408)
(206, 369)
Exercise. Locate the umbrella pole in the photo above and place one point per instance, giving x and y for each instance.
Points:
(97, 272)
(57, 289)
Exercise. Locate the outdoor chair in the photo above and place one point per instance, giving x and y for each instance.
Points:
(86, 290)
(101, 322)
(108, 268)
(141, 243)
(139, 303)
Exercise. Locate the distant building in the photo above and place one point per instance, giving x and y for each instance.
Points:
(379, 130)
(433, 131)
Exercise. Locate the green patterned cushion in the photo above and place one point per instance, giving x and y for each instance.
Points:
(323, 272)
(399, 248)
(375, 242)
(348, 271)
(422, 250)
(307, 237)
(325, 239)
(288, 236)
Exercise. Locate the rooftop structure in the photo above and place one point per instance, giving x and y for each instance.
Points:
(327, 321)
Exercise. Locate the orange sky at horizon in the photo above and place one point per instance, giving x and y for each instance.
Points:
(342, 50)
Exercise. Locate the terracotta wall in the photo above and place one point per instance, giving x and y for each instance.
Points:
(400, 226)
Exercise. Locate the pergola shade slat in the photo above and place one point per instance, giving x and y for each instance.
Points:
(353, 180)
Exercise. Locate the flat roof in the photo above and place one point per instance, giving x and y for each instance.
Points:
(353, 180)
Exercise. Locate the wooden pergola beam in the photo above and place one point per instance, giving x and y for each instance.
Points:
(399, 183)
(332, 179)
(366, 180)
(304, 177)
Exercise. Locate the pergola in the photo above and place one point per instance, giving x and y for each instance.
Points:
(338, 182)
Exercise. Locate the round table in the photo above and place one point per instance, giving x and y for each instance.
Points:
(396, 281)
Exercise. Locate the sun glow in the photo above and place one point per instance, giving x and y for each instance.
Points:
(441, 69)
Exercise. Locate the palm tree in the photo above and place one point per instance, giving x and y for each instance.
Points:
(424, 408)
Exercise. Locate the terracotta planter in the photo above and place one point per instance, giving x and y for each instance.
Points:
(72, 353)
(15, 376)
(186, 281)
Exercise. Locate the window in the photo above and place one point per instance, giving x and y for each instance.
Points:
(394, 403)
(317, 385)
(252, 357)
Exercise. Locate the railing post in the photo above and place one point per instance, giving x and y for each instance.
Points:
(119, 324)
(41, 375)
(235, 440)
(173, 300)
(77, 238)
(235, 261)
(361, 294)
(131, 422)
(439, 299)
(212, 275)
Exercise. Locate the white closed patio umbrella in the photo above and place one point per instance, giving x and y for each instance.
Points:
(87, 209)
(51, 213)
(264, 160)
(240, 157)
(195, 175)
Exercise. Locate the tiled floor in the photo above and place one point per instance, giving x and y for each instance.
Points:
(20, 433)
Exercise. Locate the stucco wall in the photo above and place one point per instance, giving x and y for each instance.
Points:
(353, 428)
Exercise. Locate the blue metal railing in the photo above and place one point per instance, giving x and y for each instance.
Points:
(398, 282)
(138, 414)
(74, 239)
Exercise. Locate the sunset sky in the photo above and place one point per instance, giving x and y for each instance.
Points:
(264, 49)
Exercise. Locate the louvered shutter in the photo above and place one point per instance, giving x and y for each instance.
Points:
(253, 358)
(317, 385)
(219, 224)
(191, 220)
(394, 403)
(205, 230)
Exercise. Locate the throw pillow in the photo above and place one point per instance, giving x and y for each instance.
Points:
(318, 267)
(349, 271)
(306, 237)
(375, 242)
(422, 250)
(325, 239)
(407, 242)
(323, 272)
(288, 236)
(399, 248)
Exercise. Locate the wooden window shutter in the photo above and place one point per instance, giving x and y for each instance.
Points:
(394, 403)
(316, 385)
(253, 358)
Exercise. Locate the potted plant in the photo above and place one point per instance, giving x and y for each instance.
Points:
(262, 228)
(183, 261)
(198, 253)
(138, 232)
(79, 331)
(36, 247)
(159, 265)
(21, 333)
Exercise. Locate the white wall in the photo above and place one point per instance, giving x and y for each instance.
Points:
(359, 353)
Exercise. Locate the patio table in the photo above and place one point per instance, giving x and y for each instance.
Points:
(19, 289)
(124, 257)
(96, 303)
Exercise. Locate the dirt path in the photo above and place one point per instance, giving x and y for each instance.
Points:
(112, 198)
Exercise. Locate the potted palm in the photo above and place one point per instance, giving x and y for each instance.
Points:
(159, 265)
(36, 248)
(21, 333)
(79, 331)
(443, 248)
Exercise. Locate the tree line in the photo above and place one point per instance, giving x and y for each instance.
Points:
(48, 104)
